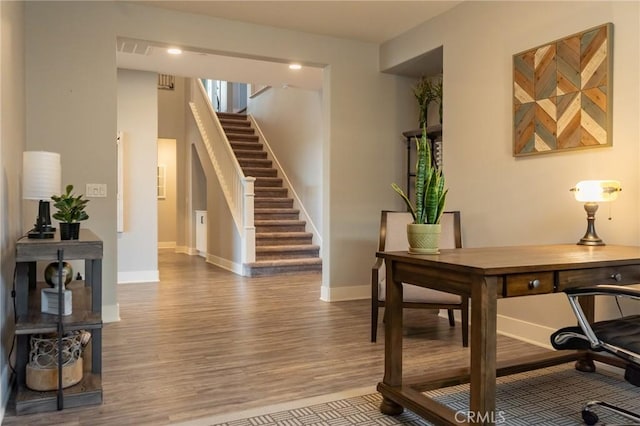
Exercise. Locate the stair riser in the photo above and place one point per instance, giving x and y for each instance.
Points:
(226, 122)
(279, 228)
(285, 203)
(276, 216)
(288, 255)
(231, 116)
(246, 146)
(255, 163)
(242, 154)
(262, 182)
(280, 241)
(243, 138)
(283, 270)
(238, 130)
(271, 192)
(259, 172)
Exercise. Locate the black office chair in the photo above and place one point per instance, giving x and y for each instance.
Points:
(619, 337)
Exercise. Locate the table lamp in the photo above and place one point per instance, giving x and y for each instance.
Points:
(41, 175)
(591, 192)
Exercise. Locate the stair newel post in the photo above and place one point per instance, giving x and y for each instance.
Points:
(249, 240)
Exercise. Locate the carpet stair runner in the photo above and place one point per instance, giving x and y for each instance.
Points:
(282, 244)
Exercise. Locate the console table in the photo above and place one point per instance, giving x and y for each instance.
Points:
(484, 275)
(86, 315)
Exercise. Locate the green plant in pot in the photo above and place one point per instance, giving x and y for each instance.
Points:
(70, 213)
(430, 194)
(427, 91)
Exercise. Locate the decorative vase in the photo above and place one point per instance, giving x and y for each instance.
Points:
(69, 231)
(423, 238)
(51, 273)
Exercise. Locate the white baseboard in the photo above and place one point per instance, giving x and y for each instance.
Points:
(529, 332)
(339, 294)
(186, 250)
(130, 277)
(166, 244)
(111, 313)
(227, 264)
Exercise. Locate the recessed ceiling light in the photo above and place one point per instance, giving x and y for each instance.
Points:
(295, 66)
(174, 51)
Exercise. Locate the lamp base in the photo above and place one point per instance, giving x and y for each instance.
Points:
(34, 233)
(591, 242)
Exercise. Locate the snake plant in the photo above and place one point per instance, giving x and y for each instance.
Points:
(430, 191)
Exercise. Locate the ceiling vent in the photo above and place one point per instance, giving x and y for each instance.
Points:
(135, 47)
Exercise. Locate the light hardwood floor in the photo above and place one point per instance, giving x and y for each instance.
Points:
(204, 341)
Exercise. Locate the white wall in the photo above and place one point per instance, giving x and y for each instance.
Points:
(363, 113)
(510, 201)
(172, 112)
(167, 217)
(138, 119)
(291, 120)
(72, 45)
(12, 144)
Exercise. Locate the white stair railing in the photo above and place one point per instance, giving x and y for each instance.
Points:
(237, 188)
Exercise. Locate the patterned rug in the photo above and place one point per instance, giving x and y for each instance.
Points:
(551, 396)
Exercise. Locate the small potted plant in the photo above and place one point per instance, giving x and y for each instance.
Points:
(427, 91)
(70, 213)
(424, 233)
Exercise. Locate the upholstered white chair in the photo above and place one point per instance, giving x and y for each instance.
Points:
(393, 237)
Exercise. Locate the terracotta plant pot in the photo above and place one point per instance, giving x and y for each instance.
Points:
(423, 238)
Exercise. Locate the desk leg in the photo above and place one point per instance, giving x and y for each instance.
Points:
(483, 349)
(392, 340)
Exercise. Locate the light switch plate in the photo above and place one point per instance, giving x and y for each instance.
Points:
(96, 190)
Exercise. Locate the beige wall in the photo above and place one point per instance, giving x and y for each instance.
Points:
(506, 200)
(12, 143)
(167, 218)
(172, 112)
(291, 120)
(363, 113)
(137, 119)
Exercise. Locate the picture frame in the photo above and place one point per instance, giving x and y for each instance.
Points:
(562, 94)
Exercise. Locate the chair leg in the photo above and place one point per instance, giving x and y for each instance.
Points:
(452, 321)
(374, 320)
(465, 322)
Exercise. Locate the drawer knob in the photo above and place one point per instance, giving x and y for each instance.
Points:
(534, 284)
(617, 277)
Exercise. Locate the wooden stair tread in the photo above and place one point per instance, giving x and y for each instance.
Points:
(280, 262)
(288, 247)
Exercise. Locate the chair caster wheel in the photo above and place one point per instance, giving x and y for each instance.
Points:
(589, 417)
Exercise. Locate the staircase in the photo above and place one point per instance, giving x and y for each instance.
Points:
(282, 243)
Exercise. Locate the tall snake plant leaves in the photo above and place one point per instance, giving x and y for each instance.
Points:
(429, 186)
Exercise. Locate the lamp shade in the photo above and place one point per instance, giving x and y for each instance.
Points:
(41, 175)
(597, 190)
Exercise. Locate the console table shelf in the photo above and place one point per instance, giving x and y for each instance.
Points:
(86, 315)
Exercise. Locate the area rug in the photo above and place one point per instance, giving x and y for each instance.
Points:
(551, 396)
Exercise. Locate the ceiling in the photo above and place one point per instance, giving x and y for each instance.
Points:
(369, 21)
(366, 21)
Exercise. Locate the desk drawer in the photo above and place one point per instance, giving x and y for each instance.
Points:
(607, 275)
(527, 284)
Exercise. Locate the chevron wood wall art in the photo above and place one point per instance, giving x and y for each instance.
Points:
(561, 94)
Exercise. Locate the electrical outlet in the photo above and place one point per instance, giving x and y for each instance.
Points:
(96, 190)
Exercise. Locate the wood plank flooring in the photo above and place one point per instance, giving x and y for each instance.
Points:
(204, 341)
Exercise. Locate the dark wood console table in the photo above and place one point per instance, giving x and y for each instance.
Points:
(86, 315)
(484, 275)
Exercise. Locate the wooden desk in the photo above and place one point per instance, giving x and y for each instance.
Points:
(484, 275)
